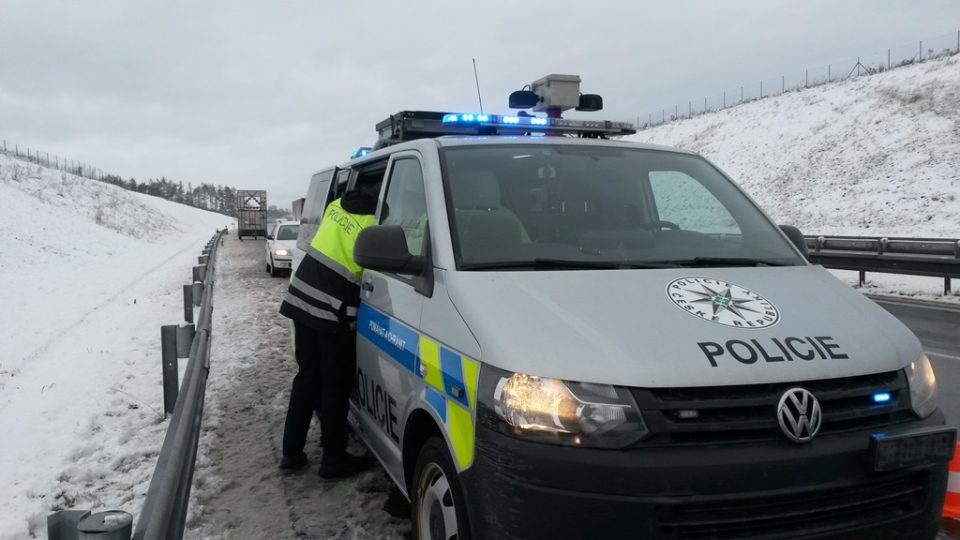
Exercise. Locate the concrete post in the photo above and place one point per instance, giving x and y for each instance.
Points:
(171, 377)
(188, 303)
(110, 525)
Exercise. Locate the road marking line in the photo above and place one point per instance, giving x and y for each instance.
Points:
(942, 355)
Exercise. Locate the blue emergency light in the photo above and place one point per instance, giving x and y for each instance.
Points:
(360, 152)
(410, 125)
(882, 397)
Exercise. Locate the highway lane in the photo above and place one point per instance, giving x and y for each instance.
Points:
(938, 328)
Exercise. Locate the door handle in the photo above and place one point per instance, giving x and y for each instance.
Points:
(367, 286)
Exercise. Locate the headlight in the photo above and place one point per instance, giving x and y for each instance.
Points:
(561, 412)
(923, 387)
(281, 252)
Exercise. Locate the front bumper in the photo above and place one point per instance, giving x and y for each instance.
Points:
(282, 263)
(824, 489)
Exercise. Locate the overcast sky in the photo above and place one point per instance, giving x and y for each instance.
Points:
(261, 94)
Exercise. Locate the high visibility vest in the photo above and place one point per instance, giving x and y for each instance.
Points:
(324, 292)
(336, 237)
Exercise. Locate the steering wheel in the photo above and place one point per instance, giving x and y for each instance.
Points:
(663, 224)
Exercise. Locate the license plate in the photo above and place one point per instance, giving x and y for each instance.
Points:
(895, 451)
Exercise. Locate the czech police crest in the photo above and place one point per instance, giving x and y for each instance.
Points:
(721, 302)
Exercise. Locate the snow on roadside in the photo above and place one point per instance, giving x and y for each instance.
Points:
(90, 272)
(874, 155)
(238, 490)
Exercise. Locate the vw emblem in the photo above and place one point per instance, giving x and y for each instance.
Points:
(799, 415)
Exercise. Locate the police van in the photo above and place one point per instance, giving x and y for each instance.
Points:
(564, 335)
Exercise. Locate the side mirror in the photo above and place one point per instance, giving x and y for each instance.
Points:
(269, 237)
(523, 99)
(796, 237)
(384, 248)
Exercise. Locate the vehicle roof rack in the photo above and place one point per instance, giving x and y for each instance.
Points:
(411, 125)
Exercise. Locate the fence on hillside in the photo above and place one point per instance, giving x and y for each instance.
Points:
(920, 51)
(52, 161)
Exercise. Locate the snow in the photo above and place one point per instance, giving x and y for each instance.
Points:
(874, 155)
(238, 489)
(90, 272)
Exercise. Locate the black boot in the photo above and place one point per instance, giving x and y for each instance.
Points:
(343, 465)
(294, 462)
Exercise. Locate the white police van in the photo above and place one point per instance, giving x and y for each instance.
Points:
(567, 336)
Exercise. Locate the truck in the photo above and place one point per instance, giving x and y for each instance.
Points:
(251, 213)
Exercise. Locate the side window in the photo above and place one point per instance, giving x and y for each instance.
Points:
(683, 200)
(313, 206)
(405, 203)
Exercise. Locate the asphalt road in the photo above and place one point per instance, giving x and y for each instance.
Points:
(938, 328)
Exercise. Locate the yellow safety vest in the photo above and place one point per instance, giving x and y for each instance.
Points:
(336, 237)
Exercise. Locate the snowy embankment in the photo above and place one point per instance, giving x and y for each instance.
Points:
(89, 273)
(875, 155)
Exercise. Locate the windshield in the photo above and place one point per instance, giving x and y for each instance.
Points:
(287, 232)
(601, 207)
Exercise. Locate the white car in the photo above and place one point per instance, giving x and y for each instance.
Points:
(281, 241)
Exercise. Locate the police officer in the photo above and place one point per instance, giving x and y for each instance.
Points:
(322, 300)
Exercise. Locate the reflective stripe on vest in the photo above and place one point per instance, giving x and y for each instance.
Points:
(332, 245)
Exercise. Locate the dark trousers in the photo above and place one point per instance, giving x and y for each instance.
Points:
(323, 385)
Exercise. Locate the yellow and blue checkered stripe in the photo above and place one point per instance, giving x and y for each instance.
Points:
(450, 379)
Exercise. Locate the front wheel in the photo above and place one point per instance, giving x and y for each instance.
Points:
(438, 508)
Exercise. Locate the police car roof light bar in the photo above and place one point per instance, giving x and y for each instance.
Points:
(410, 125)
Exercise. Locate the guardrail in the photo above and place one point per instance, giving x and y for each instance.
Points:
(932, 257)
(164, 511)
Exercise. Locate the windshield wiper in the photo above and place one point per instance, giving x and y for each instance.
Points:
(726, 261)
(565, 264)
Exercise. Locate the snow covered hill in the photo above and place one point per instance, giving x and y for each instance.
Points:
(875, 155)
(89, 272)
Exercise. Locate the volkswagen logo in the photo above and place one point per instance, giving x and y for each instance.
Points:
(799, 415)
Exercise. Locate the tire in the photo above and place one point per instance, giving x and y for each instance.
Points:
(268, 267)
(273, 269)
(437, 508)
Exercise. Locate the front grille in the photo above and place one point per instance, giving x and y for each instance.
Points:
(748, 413)
(874, 502)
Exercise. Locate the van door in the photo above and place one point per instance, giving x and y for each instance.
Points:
(387, 341)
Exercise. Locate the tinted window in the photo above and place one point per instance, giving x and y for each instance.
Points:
(601, 205)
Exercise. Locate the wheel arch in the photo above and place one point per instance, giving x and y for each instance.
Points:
(421, 425)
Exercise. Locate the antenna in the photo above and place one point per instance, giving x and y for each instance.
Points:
(477, 79)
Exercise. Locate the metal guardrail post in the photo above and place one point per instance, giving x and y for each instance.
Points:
(197, 292)
(171, 376)
(110, 525)
(203, 259)
(185, 335)
(199, 273)
(188, 303)
(62, 525)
